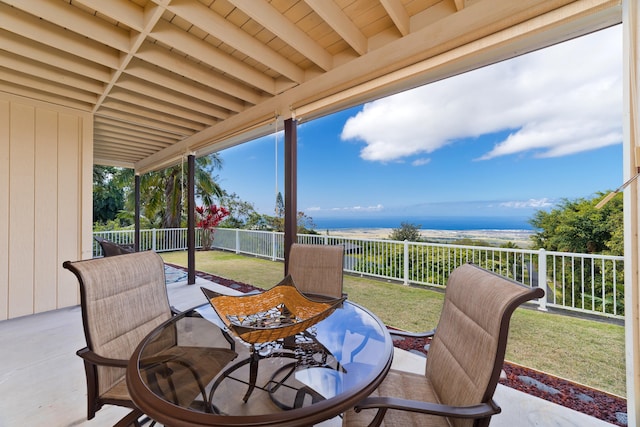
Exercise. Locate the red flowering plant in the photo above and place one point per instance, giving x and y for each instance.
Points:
(208, 219)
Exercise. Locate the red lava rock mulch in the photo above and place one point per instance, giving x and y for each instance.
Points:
(595, 403)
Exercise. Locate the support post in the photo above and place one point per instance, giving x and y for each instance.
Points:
(136, 234)
(630, 82)
(290, 188)
(191, 221)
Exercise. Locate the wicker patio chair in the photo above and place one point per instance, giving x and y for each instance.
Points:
(317, 269)
(463, 363)
(123, 299)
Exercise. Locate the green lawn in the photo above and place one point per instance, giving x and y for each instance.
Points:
(584, 351)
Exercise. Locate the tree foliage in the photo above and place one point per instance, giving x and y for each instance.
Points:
(108, 195)
(577, 226)
(407, 231)
(162, 199)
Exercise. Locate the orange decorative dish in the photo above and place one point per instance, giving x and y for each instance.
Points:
(280, 312)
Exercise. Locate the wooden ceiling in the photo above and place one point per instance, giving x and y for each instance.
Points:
(168, 77)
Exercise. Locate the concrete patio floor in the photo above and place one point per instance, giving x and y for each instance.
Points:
(42, 380)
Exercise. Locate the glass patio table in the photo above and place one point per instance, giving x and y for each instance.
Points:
(192, 371)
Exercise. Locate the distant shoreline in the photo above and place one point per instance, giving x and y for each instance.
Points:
(491, 236)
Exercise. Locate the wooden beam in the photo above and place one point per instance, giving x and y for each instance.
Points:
(41, 31)
(64, 15)
(267, 16)
(40, 53)
(212, 56)
(214, 24)
(205, 76)
(398, 15)
(341, 24)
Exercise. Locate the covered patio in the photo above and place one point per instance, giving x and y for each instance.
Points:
(43, 381)
(145, 84)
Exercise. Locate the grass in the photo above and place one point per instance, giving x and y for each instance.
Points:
(583, 351)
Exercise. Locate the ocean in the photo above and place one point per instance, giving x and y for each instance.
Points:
(425, 223)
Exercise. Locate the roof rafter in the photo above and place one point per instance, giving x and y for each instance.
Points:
(341, 24)
(220, 28)
(272, 20)
(398, 15)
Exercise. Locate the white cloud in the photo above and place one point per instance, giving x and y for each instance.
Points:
(420, 162)
(556, 101)
(527, 204)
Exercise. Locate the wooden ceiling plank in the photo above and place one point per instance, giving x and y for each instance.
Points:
(45, 85)
(66, 16)
(41, 31)
(106, 150)
(124, 134)
(136, 144)
(216, 25)
(28, 92)
(118, 163)
(398, 15)
(161, 107)
(272, 20)
(135, 127)
(126, 12)
(210, 55)
(57, 77)
(163, 58)
(143, 122)
(153, 114)
(341, 24)
(115, 127)
(162, 94)
(57, 58)
(183, 86)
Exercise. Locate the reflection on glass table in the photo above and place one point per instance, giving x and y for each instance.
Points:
(193, 370)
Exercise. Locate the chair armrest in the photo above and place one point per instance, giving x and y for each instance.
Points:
(96, 359)
(476, 411)
(427, 334)
(175, 311)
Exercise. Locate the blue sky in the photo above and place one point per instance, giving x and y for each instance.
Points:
(504, 140)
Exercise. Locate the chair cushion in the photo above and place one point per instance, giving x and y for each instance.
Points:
(118, 391)
(123, 298)
(317, 269)
(404, 385)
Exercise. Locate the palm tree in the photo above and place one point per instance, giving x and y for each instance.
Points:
(161, 192)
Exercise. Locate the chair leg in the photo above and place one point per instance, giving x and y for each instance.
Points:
(130, 419)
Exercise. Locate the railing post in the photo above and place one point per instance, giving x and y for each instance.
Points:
(406, 262)
(274, 255)
(542, 278)
(153, 239)
(237, 241)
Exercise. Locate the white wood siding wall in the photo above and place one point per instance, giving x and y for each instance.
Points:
(46, 163)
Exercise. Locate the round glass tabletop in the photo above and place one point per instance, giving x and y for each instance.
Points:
(192, 370)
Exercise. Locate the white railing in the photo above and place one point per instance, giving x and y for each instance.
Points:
(585, 283)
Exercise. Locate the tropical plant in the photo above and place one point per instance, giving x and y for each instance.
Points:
(208, 219)
(162, 192)
(108, 195)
